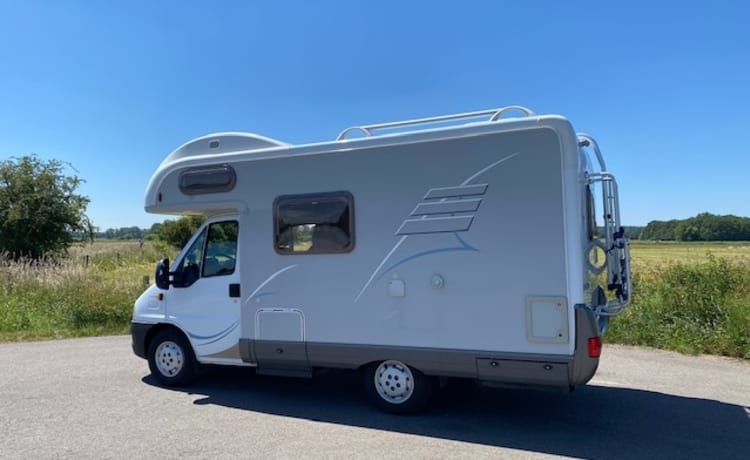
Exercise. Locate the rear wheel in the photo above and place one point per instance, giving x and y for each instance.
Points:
(171, 359)
(397, 388)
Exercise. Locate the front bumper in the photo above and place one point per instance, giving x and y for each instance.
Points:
(139, 333)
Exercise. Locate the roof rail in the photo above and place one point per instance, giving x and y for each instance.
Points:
(495, 115)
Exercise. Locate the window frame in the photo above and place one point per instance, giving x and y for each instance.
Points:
(342, 195)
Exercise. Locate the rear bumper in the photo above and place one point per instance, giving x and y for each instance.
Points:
(139, 333)
(584, 366)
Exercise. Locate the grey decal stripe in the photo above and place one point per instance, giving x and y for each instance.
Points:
(447, 207)
(487, 168)
(372, 277)
(436, 225)
(462, 190)
(268, 280)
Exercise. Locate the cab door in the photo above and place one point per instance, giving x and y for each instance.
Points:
(205, 299)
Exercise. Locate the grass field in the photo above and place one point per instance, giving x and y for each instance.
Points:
(89, 293)
(690, 297)
(647, 253)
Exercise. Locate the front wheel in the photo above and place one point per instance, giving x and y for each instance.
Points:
(171, 359)
(397, 388)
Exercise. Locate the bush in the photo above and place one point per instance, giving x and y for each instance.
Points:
(177, 233)
(693, 308)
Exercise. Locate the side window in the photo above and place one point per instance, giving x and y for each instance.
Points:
(208, 179)
(314, 224)
(221, 249)
(190, 265)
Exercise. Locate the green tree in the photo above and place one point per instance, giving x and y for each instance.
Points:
(178, 232)
(688, 230)
(703, 227)
(660, 230)
(41, 214)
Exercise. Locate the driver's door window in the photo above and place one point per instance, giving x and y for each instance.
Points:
(220, 257)
(189, 269)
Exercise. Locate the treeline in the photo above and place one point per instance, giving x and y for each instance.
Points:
(631, 231)
(703, 227)
(174, 232)
(126, 233)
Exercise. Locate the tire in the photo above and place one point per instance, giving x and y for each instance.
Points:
(397, 388)
(171, 359)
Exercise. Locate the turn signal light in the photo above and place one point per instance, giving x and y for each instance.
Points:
(595, 347)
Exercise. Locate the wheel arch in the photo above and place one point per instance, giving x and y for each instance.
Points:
(373, 362)
(159, 328)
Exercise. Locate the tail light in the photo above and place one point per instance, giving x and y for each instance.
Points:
(595, 347)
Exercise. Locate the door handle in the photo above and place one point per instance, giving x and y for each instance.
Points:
(234, 290)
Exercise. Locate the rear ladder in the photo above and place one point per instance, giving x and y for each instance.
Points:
(614, 243)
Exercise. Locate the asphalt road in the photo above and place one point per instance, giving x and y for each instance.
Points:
(92, 398)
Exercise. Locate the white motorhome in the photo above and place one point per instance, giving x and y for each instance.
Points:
(456, 246)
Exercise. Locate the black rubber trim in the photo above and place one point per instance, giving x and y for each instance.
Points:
(139, 332)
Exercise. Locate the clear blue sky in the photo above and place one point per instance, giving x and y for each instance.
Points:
(113, 87)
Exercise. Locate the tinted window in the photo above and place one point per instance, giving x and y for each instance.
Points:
(321, 223)
(221, 249)
(210, 179)
(189, 269)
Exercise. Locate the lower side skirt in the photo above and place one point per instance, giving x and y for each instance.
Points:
(298, 359)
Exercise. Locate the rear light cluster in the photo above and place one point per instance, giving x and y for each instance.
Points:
(595, 347)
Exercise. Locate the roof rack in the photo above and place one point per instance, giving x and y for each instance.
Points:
(495, 115)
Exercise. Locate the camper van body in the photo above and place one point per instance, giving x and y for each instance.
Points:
(458, 251)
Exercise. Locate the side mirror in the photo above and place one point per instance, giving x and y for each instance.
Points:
(161, 277)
